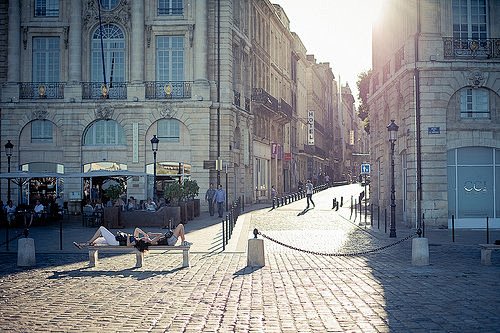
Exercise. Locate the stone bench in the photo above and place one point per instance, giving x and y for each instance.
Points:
(94, 253)
(486, 250)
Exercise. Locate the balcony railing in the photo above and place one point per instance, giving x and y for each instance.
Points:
(247, 104)
(97, 90)
(237, 98)
(455, 48)
(41, 90)
(319, 127)
(286, 108)
(261, 96)
(168, 89)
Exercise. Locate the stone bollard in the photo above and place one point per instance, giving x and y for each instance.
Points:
(420, 252)
(26, 252)
(255, 255)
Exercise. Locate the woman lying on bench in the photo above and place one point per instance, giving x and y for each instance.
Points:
(105, 237)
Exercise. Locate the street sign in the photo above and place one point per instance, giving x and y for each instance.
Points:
(211, 165)
(365, 168)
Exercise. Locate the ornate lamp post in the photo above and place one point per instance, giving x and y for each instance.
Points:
(8, 151)
(154, 147)
(392, 128)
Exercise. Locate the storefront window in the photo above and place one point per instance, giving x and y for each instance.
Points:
(473, 185)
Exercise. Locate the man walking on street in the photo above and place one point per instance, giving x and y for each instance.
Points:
(220, 198)
(209, 197)
(309, 193)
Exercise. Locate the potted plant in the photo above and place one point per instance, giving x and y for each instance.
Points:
(115, 191)
(173, 193)
(192, 189)
(112, 214)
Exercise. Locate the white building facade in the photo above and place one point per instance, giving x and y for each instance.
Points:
(436, 70)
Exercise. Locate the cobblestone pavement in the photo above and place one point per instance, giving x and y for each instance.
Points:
(295, 292)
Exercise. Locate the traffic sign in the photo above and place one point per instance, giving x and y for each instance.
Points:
(365, 168)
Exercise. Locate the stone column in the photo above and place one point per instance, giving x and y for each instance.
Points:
(14, 44)
(200, 41)
(137, 42)
(75, 42)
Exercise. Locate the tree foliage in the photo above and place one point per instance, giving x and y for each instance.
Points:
(363, 84)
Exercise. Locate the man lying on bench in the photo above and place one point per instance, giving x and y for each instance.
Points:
(105, 237)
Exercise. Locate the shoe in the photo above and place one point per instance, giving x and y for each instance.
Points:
(186, 243)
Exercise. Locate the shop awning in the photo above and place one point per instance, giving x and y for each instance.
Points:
(27, 174)
(105, 173)
(21, 177)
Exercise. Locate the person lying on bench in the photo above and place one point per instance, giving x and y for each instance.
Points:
(103, 236)
(171, 237)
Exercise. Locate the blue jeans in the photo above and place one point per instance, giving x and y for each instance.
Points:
(211, 207)
(220, 208)
(309, 198)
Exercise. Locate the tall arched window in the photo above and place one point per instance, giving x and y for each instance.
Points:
(474, 103)
(41, 131)
(169, 130)
(114, 54)
(104, 133)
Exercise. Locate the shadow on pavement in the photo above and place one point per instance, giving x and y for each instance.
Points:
(128, 272)
(245, 271)
(304, 211)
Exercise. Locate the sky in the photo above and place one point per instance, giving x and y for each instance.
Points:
(336, 31)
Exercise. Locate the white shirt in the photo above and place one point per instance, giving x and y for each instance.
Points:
(309, 188)
(39, 208)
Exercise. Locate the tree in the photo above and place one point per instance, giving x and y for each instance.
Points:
(363, 84)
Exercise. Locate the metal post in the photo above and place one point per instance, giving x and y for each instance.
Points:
(371, 215)
(487, 230)
(154, 146)
(392, 128)
(223, 236)
(154, 177)
(364, 197)
(453, 228)
(378, 217)
(8, 179)
(227, 228)
(227, 196)
(60, 234)
(392, 233)
(385, 220)
(7, 236)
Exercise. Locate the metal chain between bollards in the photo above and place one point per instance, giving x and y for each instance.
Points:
(14, 238)
(333, 254)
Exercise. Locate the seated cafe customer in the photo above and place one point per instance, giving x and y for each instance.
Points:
(10, 210)
(38, 212)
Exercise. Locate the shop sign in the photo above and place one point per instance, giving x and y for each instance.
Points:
(310, 127)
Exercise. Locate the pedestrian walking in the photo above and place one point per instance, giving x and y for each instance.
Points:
(274, 193)
(220, 198)
(309, 193)
(209, 197)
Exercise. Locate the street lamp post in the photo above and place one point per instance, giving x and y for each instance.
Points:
(392, 128)
(154, 147)
(8, 151)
